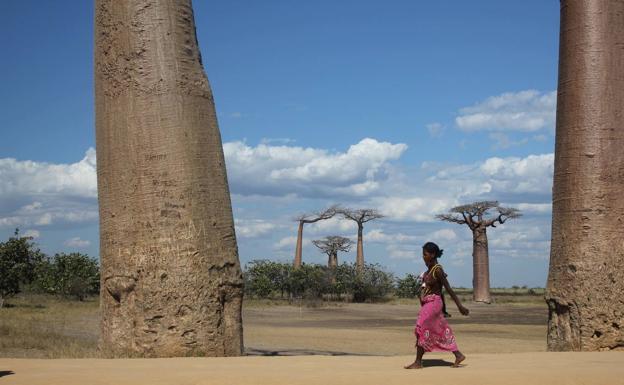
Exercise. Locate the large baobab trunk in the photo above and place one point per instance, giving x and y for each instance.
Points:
(480, 266)
(359, 260)
(586, 277)
(297, 263)
(171, 279)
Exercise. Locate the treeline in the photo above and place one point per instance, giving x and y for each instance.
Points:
(23, 267)
(269, 279)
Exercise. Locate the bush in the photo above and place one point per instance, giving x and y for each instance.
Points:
(264, 279)
(18, 261)
(372, 283)
(70, 275)
(408, 287)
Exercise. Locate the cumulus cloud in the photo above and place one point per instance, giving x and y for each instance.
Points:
(525, 111)
(521, 239)
(44, 194)
(418, 209)
(442, 235)
(402, 251)
(58, 210)
(290, 242)
(333, 225)
(38, 178)
(77, 243)
(280, 170)
(379, 236)
(533, 208)
(531, 174)
(525, 183)
(251, 228)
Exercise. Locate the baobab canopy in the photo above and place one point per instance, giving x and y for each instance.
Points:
(478, 217)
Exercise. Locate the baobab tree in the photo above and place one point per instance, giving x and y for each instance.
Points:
(331, 245)
(309, 218)
(360, 216)
(171, 283)
(586, 277)
(477, 217)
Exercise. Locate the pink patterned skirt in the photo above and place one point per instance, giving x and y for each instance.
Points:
(432, 331)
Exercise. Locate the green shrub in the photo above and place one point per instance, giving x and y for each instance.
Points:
(18, 261)
(70, 275)
(408, 287)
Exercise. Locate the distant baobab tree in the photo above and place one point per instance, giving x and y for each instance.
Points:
(478, 219)
(310, 218)
(331, 245)
(360, 216)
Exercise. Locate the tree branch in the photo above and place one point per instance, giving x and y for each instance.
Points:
(318, 216)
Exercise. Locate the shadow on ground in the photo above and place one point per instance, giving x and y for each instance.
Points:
(297, 352)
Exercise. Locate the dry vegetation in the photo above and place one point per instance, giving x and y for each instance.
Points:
(40, 326)
(48, 327)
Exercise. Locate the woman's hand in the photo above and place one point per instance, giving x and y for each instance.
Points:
(463, 310)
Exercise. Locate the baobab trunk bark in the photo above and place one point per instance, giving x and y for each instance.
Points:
(480, 266)
(586, 277)
(332, 263)
(359, 261)
(171, 279)
(297, 262)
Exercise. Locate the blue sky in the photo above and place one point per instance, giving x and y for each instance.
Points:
(409, 107)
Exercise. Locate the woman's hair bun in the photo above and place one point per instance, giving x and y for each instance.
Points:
(432, 248)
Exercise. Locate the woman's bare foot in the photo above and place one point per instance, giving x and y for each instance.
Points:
(459, 358)
(414, 365)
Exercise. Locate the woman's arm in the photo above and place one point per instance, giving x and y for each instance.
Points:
(442, 276)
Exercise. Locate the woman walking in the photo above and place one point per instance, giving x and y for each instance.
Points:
(433, 333)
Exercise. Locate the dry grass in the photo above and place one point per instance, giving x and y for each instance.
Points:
(47, 327)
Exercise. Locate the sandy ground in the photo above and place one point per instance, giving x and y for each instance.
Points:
(383, 329)
(480, 369)
(347, 344)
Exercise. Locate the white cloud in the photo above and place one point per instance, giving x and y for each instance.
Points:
(280, 170)
(531, 174)
(58, 210)
(402, 252)
(525, 183)
(44, 219)
(442, 235)
(38, 178)
(58, 193)
(533, 208)
(497, 176)
(77, 243)
(290, 242)
(419, 209)
(525, 111)
(250, 228)
(378, 236)
(331, 226)
(32, 233)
